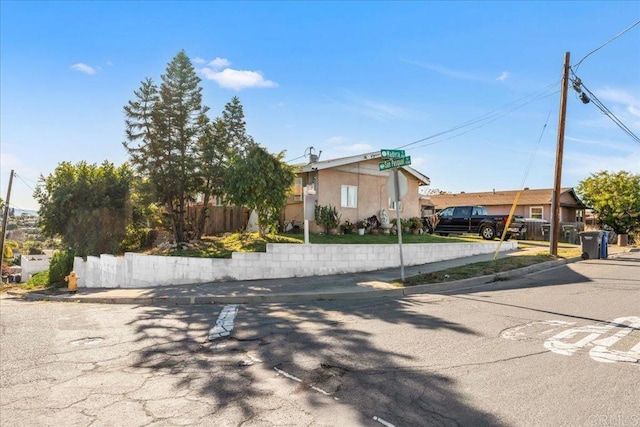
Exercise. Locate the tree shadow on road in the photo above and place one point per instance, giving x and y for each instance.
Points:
(324, 351)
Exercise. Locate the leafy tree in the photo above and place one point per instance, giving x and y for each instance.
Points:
(163, 127)
(261, 182)
(60, 267)
(614, 198)
(85, 204)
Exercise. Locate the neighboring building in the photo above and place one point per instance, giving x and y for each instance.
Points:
(354, 185)
(535, 204)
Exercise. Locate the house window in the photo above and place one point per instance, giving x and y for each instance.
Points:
(349, 198)
(392, 204)
(535, 212)
(297, 189)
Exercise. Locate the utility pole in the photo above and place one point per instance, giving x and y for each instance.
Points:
(4, 220)
(555, 199)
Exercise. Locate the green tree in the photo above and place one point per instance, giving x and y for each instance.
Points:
(236, 131)
(85, 204)
(614, 198)
(260, 181)
(163, 127)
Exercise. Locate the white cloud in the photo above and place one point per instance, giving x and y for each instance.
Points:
(83, 68)
(358, 148)
(198, 60)
(444, 70)
(219, 63)
(237, 79)
(335, 140)
(110, 64)
(504, 76)
(617, 95)
(379, 111)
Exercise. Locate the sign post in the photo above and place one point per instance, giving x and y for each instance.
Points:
(393, 159)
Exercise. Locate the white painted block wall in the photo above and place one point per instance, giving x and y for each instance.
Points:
(281, 260)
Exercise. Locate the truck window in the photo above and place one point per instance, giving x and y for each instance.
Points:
(463, 211)
(448, 212)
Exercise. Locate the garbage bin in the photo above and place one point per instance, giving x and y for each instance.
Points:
(591, 242)
(604, 250)
(546, 232)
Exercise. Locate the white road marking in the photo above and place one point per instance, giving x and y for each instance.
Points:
(518, 333)
(568, 342)
(383, 422)
(313, 387)
(224, 324)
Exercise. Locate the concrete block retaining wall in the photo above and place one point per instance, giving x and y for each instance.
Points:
(281, 260)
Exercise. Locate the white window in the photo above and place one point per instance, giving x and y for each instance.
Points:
(392, 204)
(535, 212)
(297, 189)
(349, 198)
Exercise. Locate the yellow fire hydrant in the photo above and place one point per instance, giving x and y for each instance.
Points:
(72, 280)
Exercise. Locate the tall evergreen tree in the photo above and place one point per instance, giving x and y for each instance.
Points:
(164, 126)
(233, 117)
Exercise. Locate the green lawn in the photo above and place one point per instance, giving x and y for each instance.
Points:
(224, 246)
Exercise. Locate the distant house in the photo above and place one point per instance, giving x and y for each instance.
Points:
(534, 204)
(354, 185)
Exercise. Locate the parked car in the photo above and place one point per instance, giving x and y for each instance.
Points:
(475, 220)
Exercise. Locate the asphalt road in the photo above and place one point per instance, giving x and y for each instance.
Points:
(559, 347)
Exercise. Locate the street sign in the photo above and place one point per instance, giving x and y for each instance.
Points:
(391, 154)
(395, 163)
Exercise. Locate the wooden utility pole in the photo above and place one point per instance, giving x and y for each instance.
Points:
(4, 220)
(555, 199)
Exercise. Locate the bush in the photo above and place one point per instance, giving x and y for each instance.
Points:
(60, 267)
(137, 239)
(39, 279)
(327, 217)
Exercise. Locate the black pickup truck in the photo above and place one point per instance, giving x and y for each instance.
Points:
(476, 220)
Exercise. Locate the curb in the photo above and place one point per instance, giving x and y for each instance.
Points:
(305, 297)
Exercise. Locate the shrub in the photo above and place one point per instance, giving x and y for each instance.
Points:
(39, 279)
(60, 267)
(327, 217)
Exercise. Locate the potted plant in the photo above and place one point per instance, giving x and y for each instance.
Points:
(328, 218)
(347, 227)
(362, 225)
(415, 224)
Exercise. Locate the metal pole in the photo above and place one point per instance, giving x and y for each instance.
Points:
(396, 185)
(555, 199)
(4, 220)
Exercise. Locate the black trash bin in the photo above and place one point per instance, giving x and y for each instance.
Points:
(591, 242)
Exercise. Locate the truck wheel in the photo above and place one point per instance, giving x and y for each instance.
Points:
(507, 237)
(487, 232)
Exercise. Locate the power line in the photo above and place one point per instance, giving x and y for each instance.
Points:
(488, 117)
(604, 44)
(535, 151)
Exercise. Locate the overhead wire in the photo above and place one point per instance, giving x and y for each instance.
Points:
(492, 119)
(604, 44)
(488, 117)
(594, 99)
(535, 151)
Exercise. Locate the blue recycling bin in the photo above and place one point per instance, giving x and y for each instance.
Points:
(604, 252)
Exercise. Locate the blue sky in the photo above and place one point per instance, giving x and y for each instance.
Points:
(343, 77)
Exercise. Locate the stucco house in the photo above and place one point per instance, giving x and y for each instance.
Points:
(533, 205)
(355, 185)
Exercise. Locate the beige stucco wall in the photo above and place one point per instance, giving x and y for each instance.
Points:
(372, 192)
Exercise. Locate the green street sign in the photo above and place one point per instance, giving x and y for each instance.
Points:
(395, 163)
(391, 154)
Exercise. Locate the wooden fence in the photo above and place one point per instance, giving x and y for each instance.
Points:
(221, 219)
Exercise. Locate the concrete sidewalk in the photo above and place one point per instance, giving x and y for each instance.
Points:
(371, 284)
